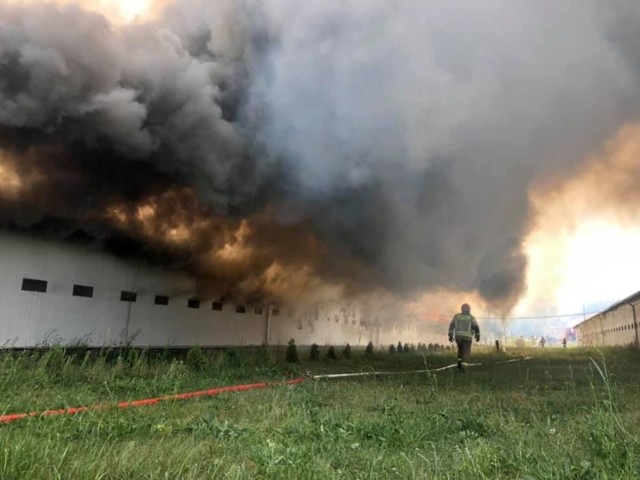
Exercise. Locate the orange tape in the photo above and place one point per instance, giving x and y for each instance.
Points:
(150, 401)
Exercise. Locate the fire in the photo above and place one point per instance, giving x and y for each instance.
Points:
(236, 249)
(162, 219)
(583, 247)
(252, 257)
(10, 182)
(13, 181)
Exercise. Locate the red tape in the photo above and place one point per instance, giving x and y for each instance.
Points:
(150, 401)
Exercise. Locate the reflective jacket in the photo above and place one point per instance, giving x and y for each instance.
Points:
(464, 327)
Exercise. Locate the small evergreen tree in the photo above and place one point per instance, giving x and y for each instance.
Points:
(331, 353)
(314, 354)
(406, 348)
(292, 352)
(347, 351)
(369, 350)
(392, 348)
(399, 347)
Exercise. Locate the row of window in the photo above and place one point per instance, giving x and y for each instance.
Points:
(619, 329)
(35, 285)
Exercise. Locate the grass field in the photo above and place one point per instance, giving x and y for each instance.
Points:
(564, 414)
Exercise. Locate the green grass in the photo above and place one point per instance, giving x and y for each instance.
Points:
(565, 414)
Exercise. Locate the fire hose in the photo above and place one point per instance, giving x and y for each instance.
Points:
(8, 418)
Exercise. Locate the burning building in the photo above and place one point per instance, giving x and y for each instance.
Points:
(57, 293)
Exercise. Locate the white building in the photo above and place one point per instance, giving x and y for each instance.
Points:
(57, 293)
(617, 325)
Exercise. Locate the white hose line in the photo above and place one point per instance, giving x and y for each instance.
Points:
(513, 360)
(447, 367)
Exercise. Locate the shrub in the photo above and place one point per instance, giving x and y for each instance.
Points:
(196, 358)
(369, 350)
(314, 354)
(292, 352)
(392, 348)
(331, 353)
(347, 351)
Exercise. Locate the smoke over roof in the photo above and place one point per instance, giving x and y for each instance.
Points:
(267, 144)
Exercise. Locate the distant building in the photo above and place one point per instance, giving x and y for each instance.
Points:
(617, 325)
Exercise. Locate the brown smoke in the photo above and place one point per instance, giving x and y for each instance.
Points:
(606, 186)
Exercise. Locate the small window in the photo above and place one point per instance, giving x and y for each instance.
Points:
(276, 311)
(33, 285)
(161, 300)
(193, 303)
(82, 291)
(258, 310)
(126, 296)
(241, 309)
(216, 306)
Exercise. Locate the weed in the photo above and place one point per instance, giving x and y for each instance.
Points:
(196, 359)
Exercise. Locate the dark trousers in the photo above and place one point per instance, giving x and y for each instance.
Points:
(464, 349)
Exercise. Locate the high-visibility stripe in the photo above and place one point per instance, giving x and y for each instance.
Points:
(463, 325)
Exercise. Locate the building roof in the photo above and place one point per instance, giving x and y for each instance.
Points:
(631, 299)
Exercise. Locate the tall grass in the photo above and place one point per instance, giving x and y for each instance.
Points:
(560, 415)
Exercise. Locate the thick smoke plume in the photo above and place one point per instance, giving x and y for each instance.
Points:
(270, 144)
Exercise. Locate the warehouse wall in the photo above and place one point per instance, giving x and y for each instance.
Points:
(31, 318)
(614, 326)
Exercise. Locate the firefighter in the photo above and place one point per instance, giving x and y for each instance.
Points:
(463, 329)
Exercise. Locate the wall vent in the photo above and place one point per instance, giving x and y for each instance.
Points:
(126, 296)
(161, 300)
(33, 285)
(82, 291)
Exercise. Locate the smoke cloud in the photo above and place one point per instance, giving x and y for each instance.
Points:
(270, 144)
